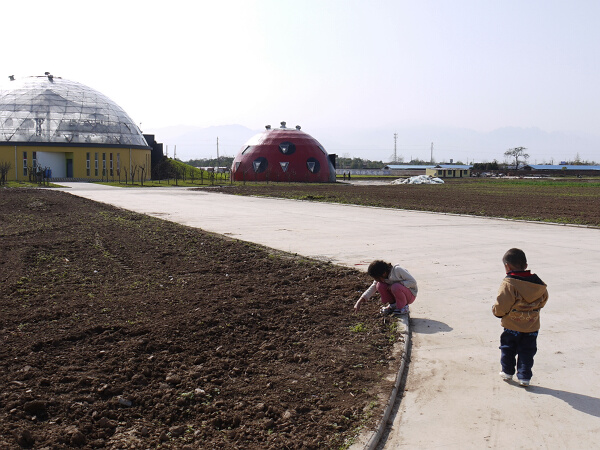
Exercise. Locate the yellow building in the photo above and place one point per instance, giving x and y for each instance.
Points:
(449, 171)
(66, 130)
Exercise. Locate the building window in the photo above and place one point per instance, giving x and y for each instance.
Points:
(34, 160)
(118, 164)
(87, 163)
(96, 164)
(111, 165)
(25, 164)
(103, 164)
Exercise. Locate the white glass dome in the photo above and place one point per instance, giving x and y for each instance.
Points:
(47, 109)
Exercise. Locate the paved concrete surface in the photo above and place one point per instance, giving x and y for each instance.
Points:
(454, 398)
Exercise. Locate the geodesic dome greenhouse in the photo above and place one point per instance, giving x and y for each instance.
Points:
(68, 128)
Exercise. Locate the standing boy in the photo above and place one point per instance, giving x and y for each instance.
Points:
(520, 298)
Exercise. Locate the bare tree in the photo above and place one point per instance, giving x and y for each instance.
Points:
(142, 172)
(179, 175)
(518, 153)
(132, 172)
(4, 169)
(38, 175)
(183, 173)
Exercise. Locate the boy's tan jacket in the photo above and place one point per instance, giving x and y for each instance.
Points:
(519, 302)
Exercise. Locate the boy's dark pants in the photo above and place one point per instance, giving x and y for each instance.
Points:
(523, 345)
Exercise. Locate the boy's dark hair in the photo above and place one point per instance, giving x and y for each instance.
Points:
(378, 268)
(516, 258)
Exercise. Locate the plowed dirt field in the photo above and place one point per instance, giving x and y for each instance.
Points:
(562, 201)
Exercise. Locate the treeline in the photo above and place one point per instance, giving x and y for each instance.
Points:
(174, 169)
(357, 163)
(579, 162)
(223, 161)
(361, 163)
(486, 166)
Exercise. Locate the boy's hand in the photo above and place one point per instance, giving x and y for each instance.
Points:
(357, 304)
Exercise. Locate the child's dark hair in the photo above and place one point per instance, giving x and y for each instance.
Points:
(516, 258)
(379, 268)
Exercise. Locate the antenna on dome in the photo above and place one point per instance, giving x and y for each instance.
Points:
(282, 124)
(268, 127)
(11, 77)
(298, 127)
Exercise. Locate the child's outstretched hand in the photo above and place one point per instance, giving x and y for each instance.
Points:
(357, 304)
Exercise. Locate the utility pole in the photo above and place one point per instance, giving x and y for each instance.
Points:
(218, 151)
(395, 140)
(431, 153)
(175, 152)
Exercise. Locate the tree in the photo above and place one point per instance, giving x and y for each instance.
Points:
(132, 170)
(517, 153)
(4, 169)
(486, 166)
(142, 170)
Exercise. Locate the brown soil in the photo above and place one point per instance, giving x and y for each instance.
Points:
(123, 331)
(575, 202)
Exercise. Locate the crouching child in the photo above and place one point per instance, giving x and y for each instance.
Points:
(395, 285)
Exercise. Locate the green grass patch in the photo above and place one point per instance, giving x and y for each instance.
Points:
(358, 328)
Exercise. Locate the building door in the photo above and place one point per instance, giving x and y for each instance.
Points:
(69, 168)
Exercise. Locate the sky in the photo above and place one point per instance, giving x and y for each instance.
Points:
(350, 72)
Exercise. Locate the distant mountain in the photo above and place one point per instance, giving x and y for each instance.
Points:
(191, 142)
(459, 144)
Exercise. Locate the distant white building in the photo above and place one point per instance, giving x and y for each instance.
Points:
(435, 170)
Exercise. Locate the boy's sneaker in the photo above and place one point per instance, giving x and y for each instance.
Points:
(524, 383)
(387, 310)
(505, 376)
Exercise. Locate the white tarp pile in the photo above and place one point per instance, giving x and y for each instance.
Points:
(421, 179)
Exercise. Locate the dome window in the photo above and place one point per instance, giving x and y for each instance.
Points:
(260, 164)
(287, 148)
(313, 165)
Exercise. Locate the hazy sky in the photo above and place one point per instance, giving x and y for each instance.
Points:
(473, 64)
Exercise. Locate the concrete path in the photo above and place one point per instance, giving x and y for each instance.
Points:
(454, 398)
